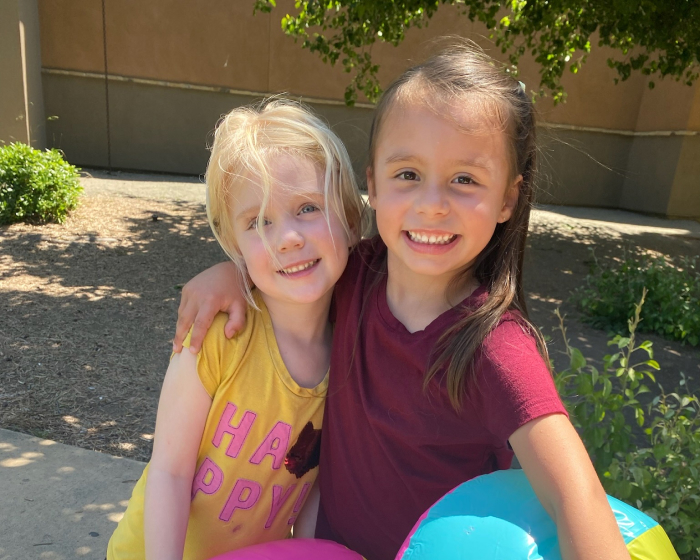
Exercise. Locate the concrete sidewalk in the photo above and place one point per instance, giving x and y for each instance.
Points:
(59, 502)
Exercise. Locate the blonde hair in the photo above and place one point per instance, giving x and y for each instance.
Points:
(248, 139)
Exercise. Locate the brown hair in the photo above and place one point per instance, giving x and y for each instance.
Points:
(464, 74)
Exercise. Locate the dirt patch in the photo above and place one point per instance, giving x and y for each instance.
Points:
(557, 261)
(88, 308)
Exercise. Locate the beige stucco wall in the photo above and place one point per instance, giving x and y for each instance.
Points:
(604, 147)
(21, 97)
(13, 123)
(225, 45)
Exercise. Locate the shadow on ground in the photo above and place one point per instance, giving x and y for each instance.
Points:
(560, 251)
(87, 310)
(86, 324)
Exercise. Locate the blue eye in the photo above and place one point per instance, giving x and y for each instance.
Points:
(254, 223)
(308, 208)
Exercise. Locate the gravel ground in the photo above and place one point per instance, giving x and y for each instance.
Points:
(88, 308)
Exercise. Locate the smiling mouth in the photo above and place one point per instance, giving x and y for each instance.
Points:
(298, 268)
(428, 239)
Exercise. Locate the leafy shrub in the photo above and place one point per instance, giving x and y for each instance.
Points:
(660, 476)
(673, 309)
(36, 186)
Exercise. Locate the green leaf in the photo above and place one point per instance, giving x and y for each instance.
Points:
(554, 35)
(577, 360)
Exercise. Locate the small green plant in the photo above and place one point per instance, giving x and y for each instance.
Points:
(35, 185)
(673, 307)
(662, 480)
(658, 477)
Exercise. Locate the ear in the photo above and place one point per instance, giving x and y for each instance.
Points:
(510, 199)
(371, 190)
(353, 235)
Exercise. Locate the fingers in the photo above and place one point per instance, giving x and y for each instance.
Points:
(201, 325)
(236, 318)
(185, 317)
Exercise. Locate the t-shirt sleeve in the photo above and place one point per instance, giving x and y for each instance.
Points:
(362, 255)
(210, 358)
(514, 385)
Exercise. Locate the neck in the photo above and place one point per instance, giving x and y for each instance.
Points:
(304, 337)
(304, 322)
(417, 300)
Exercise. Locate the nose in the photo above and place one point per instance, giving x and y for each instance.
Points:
(289, 236)
(432, 200)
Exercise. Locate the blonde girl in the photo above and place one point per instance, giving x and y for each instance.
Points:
(437, 374)
(238, 428)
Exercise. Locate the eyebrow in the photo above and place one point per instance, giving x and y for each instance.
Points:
(248, 213)
(252, 211)
(406, 157)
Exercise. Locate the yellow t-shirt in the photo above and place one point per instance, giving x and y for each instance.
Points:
(243, 492)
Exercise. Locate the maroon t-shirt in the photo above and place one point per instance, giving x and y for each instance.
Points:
(390, 449)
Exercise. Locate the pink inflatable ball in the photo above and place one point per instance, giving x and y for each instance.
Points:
(292, 549)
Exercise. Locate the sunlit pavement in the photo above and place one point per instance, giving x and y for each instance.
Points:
(57, 501)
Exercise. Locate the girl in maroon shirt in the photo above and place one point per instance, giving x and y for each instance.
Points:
(437, 376)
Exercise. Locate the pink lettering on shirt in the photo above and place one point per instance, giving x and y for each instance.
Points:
(299, 503)
(275, 444)
(200, 484)
(248, 488)
(238, 433)
(278, 500)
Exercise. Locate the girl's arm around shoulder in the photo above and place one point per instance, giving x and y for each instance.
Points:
(216, 289)
(558, 467)
(182, 412)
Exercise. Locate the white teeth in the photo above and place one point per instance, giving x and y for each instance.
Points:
(299, 268)
(431, 239)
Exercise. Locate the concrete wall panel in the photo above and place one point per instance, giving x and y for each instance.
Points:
(81, 127)
(685, 193)
(582, 168)
(650, 173)
(157, 128)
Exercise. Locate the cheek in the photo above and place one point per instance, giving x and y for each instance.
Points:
(254, 252)
(390, 207)
(332, 240)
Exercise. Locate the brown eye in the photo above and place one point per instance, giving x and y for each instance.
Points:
(464, 180)
(408, 176)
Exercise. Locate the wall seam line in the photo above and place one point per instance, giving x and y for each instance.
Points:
(321, 101)
(195, 87)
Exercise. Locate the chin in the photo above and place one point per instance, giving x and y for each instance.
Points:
(306, 298)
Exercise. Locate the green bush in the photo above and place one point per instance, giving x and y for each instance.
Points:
(673, 306)
(36, 186)
(660, 476)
